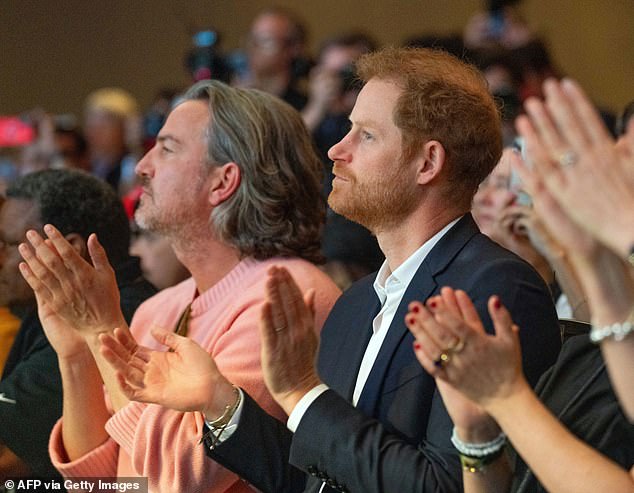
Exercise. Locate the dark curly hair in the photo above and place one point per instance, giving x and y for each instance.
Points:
(76, 202)
(277, 209)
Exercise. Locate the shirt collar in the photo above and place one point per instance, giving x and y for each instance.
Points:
(405, 272)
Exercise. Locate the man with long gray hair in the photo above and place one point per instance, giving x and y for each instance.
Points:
(234, 183)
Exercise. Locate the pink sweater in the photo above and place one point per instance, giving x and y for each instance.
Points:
(151, 441)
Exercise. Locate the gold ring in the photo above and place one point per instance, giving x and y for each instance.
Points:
(280, 329)
(442, 360)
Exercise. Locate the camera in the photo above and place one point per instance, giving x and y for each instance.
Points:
(204, 60)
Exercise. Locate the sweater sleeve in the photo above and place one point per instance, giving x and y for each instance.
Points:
(164, 444)
(101, 461)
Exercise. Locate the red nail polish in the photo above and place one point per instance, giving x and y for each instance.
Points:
(411, 320)
(497, 304)
(432, 304)
(416, 345)
(415, 309)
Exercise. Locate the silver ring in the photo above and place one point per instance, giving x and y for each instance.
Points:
(568, 158)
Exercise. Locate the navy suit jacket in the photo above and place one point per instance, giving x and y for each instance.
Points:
(397, 439)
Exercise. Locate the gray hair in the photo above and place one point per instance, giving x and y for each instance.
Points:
(277, 209)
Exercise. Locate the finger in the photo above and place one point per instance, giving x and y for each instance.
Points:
(536, 156)
(450, 329)
(37, 275)
(132, 393)
(169, 339)
(268, 335)
(595, 129)
(469, 313)
(426, 351)
(60, 259)
(427, 361)
(298, 314)
(449, 299)
(565, 117)
(109, 342)
(278, 316)
(521, 226)
(437, 336)
(128, 342)
(517, 210)
(549, 136)
(507, 221)
(501, 317)
(71, 260)
(127, 348)
(132, 376)
(539, 169)
(112, 351)
(33, 280)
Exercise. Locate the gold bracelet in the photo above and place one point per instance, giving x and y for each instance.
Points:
(478, 464)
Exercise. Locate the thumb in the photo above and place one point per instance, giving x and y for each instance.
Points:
(97, 253)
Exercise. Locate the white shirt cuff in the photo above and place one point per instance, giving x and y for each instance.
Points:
(232, 425)
(302, 406)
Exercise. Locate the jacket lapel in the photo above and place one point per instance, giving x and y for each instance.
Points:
(422, 286)
(340, 357)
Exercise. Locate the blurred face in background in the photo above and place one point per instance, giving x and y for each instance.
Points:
(270, 45)
(104, 133)
(338, 62)
(158, 261)
(17, 216)
(493, 195)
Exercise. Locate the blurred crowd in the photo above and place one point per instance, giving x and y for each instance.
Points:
(114, 131)
(531, 204)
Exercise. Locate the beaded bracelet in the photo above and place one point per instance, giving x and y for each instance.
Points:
(478, 450)
(618, 332)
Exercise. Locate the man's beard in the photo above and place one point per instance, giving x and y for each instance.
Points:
(178, 222)
(376, 203)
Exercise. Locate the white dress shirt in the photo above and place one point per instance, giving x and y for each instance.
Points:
(390, 288)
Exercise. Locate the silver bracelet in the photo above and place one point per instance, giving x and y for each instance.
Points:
(478, 449)
(618, 332)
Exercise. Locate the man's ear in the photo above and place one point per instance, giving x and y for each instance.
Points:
(78, 243)
(224, 181)
(430, 161)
